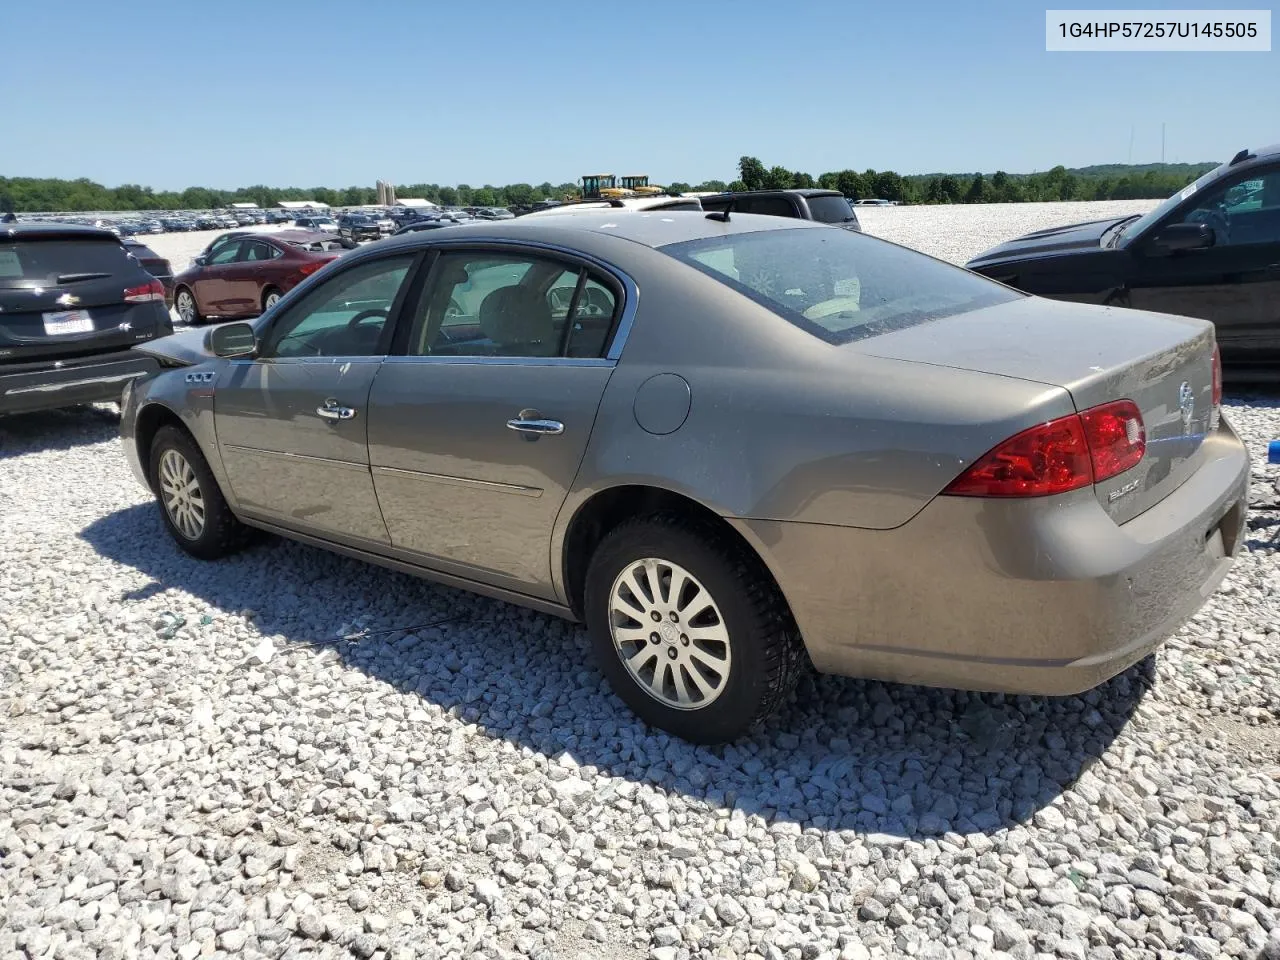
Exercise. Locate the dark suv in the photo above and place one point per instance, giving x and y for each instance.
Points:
(72, 304)
(357, 227)
(824, 206)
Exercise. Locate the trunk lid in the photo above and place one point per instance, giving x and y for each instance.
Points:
(1163, 363)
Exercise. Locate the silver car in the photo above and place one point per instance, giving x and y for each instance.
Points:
(730, 444)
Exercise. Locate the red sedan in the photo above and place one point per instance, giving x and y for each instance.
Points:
(244, 274)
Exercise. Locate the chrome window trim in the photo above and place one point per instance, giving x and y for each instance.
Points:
(509, 361)
(630, 289)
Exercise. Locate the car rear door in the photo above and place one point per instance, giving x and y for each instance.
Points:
(292, 423)
(477, 430)
(1236, 282)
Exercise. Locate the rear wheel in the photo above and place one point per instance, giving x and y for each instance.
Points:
(270, 297)
(184, 302)
(191, 503)
(689, 629)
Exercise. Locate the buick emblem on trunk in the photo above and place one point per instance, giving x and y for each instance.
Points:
(68, 300)
(1187, 404)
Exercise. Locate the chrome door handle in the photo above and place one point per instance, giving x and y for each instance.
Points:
(536, 428)
(332, 410)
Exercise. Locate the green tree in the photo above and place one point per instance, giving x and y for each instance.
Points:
(718, 186)
(448, 196)
(801, 181)
(950, 188)
(678, 187)
(934, 194)
(829, 181)
(752, 173)
(483, 197)
(977, 192)
(851, 184)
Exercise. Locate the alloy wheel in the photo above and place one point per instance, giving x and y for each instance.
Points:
(186, 307)
(180, 491)
(670, 633)
(272, 299)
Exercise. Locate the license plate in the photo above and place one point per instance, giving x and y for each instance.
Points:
(68, 321)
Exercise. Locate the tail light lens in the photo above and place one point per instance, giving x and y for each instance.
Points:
(1217, 377)
(1061, 455)
(145, 293)
(1117, 438)
(307, 269)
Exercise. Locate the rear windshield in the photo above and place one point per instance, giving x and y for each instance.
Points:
(40, 263)
(839, 285)
(827, 209)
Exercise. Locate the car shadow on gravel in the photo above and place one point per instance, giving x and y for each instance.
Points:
(22, 433)
(888, 761)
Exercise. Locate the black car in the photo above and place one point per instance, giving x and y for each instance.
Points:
(824, 206)
(356, 227)
(153, 263)
(416, 226)
(72, 304)
(1212, 250)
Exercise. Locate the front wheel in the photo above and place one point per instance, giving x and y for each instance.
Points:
(689, 629)
(185, 303)
(191, 503)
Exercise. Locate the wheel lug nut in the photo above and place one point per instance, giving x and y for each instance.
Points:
(675, 617)
(671, 653)
(654, 638)
(684, 641)
(655, 616)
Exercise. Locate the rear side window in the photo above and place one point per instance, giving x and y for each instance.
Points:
(768, 206)
(39, 263)
(839, 285)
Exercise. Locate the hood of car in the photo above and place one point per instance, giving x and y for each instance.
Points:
(1053, 242)
(186, 347)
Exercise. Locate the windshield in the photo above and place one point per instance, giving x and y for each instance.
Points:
(839, 285)
(1135, 228)
(828, 209)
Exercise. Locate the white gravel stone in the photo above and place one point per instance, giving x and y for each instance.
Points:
(469, 790)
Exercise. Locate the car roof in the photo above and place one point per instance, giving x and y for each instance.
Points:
(789, 191)
(45, 231)
(654, 229)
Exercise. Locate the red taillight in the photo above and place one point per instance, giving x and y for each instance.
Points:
(1116, 436)
(1058, 456)
(1050, 458)
(145, 293)
(1217, 376)
(307, 269)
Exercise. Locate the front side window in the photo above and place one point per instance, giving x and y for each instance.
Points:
(839, 285)
(343, 317)
(225, 253)
(486, 304)
(1242, 213)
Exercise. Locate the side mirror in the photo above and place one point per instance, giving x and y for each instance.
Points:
(230, 340)
(1183, 236)
(200, 260)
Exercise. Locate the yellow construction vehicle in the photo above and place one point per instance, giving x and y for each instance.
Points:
(639, 186)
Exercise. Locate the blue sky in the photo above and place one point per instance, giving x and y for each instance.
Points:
(288, 93)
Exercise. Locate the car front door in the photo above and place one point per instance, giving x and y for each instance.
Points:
(292, 422)
(477, 430)
(1236, 282)
(245, 278)
(210, 287)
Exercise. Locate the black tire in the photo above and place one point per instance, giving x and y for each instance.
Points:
(221, 533)
(196, 317)
(767, 652)
(268, 292)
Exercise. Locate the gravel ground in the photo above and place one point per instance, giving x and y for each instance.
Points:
(194, 762)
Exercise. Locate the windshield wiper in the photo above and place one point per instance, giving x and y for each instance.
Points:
(77, 277)
(1117, 229)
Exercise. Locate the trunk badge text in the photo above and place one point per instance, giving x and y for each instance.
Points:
(1187, 404)
(200, 377)
(1119, 492)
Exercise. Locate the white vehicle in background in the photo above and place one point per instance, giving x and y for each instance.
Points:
(633, 204)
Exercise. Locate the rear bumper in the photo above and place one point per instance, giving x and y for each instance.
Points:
(1043, 596)
(84, 380)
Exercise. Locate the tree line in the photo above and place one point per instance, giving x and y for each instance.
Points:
(1107, 182)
